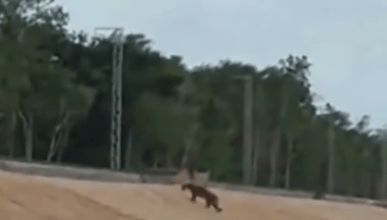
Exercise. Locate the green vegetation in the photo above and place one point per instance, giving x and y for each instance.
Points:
(59, 110)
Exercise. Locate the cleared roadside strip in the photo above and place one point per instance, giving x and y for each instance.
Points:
(107, 175)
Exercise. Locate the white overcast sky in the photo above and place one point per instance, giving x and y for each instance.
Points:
(346, 40)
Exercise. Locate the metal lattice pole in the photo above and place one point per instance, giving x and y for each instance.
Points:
(115, 147)
(118, 64)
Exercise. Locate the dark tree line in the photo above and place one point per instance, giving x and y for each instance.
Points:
(55, 106)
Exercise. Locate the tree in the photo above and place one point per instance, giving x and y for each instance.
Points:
(32, 79)
(381, 136)
(291, 71)
(76, 100)
(165, 121)
(193, 117)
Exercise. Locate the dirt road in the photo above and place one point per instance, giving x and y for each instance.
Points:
(33, 197)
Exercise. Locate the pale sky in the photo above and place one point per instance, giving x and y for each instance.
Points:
(346, 40)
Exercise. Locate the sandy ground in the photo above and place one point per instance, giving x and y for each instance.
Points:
(33, 197)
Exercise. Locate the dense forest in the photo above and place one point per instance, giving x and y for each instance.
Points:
(55, 102)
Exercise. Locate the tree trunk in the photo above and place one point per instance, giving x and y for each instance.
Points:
(52, 146)
(129, 147)
(274, 156)
(331, 159)
(289, 161)
(373, 186)
(185, 157)
(188, 146)
(155, 163)
(29, 137)
(58, 136)
(28, 133)
(189, 143)
(170, 163)
(63, 142)
(59, 157)
(11, 134)
(254, 174)
(55, 142)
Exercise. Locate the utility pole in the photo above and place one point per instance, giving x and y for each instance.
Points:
(115, 145)
(248, 127)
